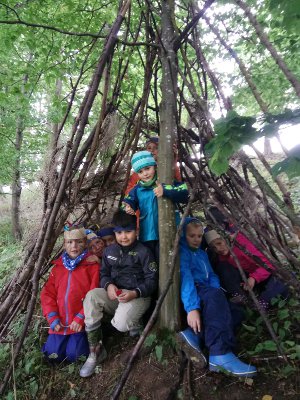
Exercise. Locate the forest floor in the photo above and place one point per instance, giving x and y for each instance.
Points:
(173, 378)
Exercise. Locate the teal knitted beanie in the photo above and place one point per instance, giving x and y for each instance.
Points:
(142, 159)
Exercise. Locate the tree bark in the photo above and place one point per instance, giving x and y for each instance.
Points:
(16, 183)
(169, 314)
(16, 179)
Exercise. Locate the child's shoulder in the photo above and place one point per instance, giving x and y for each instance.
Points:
(57, 263)
(111, 250)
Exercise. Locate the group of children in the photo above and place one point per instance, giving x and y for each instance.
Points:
(114, 272)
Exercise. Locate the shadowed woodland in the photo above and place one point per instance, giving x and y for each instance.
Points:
(84, 84)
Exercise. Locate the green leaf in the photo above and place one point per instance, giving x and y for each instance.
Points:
(71, 368)
(287, 325)
(282, 314)
(249, 328)
(281, 333)
(290, 166)
(218, 166)
(289, 343)
(269, 345)
(275, 326)
(159, 352)
(150, 340)
(288, 370)
(34, 387)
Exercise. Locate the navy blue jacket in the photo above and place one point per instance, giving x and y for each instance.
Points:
(144, 199)
(131, 268)
(195, 269)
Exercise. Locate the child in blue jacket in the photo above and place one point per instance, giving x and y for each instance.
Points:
(205, 303)
(144, 196)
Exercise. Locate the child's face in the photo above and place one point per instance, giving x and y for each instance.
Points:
(147, 173)
(108, 240)
(74, 247)
(220, 247)
(194, 236)
(96, 247)
(153, 148)
(125, 238)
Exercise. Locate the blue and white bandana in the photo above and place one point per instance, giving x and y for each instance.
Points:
(71, 263)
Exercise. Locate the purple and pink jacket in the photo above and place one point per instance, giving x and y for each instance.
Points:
(63, 294)
(247, 263)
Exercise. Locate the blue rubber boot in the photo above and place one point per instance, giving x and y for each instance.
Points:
(189, 343)
(230, 363)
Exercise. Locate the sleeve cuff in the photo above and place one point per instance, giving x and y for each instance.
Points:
(106, 285)
(54, 323)
(79, 320)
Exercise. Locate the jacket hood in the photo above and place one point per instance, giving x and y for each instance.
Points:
(183, 242)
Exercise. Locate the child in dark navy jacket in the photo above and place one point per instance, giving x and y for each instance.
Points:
(144, 196)
(72, 276)
(206, 303)
(128, 279)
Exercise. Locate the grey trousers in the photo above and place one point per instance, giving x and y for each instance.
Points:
(126, 316)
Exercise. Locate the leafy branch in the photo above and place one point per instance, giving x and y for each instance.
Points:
(235, 131)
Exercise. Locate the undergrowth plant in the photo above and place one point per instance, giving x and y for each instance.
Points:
(162, 342)
(34, 377)
(255, 339)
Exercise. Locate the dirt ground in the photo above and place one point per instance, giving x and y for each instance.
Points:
(176, 378)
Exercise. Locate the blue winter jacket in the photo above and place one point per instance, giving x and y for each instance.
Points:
(144, 199)
(195, 269)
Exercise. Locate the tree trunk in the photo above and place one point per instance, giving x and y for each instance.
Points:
(16, 184)
(169, 315)
(267, 147)
(16, 179)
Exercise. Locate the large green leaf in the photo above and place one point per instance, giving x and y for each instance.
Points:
(290, 165)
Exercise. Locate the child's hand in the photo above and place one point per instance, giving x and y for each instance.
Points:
(194, 320)
(112, 291)
(250, 284)
(129, 210)
(57, 328)
(159, 190)
(75, 327)
(129, 295)
(93, 259)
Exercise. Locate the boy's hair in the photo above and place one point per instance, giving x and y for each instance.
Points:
(195, 223)
(121, 218)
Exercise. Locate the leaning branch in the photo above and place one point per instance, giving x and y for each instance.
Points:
(266, 42)
(191, 25)
(52, 28)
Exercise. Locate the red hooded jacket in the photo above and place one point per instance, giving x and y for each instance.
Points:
(63, 294)
(247, 263)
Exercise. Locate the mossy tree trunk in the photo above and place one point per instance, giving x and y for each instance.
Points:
(169, 315)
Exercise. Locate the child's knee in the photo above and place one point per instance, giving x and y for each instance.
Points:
(125, 322)
(120, 324)
(94, 300)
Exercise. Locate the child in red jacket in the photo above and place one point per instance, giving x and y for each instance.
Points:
(62, 298)
(267, 284)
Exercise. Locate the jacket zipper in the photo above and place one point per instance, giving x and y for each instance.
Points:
(66, 302)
